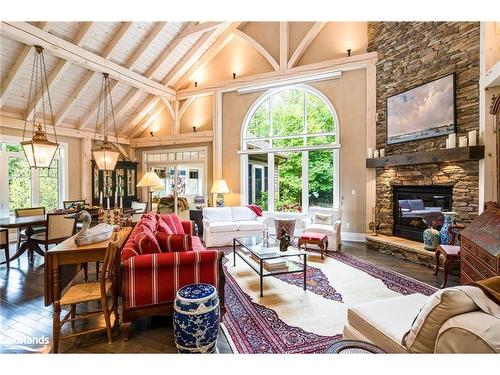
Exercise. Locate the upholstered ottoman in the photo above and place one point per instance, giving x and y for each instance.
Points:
(311, 238)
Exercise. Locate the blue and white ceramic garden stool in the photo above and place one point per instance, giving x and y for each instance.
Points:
(445, 237)
(196, 319)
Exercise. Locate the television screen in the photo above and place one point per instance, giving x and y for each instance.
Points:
(422, 112)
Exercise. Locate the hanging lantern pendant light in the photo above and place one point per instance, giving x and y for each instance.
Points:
(106, 156)
(39, 151)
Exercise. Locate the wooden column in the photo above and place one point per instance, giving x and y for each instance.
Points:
(371, 117)
(86, 150)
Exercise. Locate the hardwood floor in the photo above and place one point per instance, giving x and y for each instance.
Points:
(23, 314)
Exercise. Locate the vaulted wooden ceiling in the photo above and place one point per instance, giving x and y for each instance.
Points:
(145, 61)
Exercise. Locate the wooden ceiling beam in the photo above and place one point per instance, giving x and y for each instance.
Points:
(253, 43)
(61, 68)
(305, 43)
(201, 27)
(87, 79)
(155, 113)
(142, 111)
(24, 58)
(283, 46)
(28, 34)
(158, 28)
(206, 58)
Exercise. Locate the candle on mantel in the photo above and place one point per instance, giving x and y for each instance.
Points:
(116, 197)
(462, 142)
(121, 202)
(107, 201)
(452, 140)
(472, 137)
(100, 198)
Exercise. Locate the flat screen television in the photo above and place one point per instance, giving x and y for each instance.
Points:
(422, 112)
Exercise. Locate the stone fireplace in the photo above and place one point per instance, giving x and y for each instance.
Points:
(413, 203)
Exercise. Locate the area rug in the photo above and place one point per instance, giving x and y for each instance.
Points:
(290, 320)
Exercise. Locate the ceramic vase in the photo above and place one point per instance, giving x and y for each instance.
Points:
(431, 239)
(196, 319)
(445, 238)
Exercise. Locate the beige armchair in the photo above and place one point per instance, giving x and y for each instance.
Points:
(327, 221)
(459, 319)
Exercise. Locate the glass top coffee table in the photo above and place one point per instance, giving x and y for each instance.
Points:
(267, 259)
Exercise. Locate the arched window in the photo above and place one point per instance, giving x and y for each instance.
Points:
(290, 144)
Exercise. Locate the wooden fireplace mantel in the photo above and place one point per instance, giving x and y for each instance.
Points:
(428, 157)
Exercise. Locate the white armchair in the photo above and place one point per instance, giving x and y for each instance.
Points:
(331, 226)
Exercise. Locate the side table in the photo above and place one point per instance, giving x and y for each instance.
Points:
(197, 217)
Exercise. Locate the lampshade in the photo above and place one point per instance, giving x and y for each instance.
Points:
(150, 179)
(220, 187)
(105, 157)
(39, 151)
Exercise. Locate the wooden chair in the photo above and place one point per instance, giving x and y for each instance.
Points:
(24, 212)
(4, 244)
(59, 228)
(70, 204)
(87, 292)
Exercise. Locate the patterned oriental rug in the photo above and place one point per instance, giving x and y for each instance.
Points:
(290, 320)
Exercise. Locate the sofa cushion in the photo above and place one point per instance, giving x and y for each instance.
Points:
(335, 213)
(173, 221)
(250, 225)
(217, 214)
(441, 306)
(416, 204)
(243, 214)
(149, 223)
(174, 242)
(145, 241)
(404, 205)
(161, 226)
(223, 226)
(320, 228)
(323, 219)
(385, 321)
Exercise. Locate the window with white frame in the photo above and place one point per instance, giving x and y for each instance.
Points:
(290, 151)
(24, 187)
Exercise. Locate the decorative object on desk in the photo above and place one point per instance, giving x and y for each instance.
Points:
(376, 154)
(284, 240)
(39, 151)
(370, 153)
(108, 216)
(117, 216)
(452, 140)
(150, 180)
(284, 224)
(199, 201)
(106, 156)
(445, 237)
(196, 319)
(410, 115)
(472, 137)
(220, 188)
(100, 215)
(431, 235)
(87, 235)
(382, 152)
(462, 141)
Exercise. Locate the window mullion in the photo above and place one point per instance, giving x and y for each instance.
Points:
(305, 181)
(35, 187)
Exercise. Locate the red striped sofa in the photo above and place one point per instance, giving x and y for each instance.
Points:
(151, 278)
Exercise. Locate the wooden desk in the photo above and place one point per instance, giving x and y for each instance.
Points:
(67, 253)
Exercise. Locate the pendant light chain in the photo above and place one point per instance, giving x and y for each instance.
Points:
(112, 113)
(29, 95)
(48, 97)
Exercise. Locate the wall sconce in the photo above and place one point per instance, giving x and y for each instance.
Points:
(194, 129)
(234, 75)
(348, 52)
(195, 84)
(152, 134)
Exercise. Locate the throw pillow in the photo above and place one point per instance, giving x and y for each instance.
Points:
(323, 219)
(442, 305)
(174, 242)
(149, 223)
(161, 226)
(173, 221)
(145, 241)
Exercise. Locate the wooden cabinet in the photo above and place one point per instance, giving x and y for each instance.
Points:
(122, 180)
(480, 247)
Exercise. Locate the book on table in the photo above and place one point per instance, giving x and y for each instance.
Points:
(277, 264)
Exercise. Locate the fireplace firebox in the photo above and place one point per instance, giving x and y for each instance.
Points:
(411, 204)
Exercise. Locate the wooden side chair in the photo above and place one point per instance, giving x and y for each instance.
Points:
(24, 212)
(59, 228)
(4, 244)
(86, 292)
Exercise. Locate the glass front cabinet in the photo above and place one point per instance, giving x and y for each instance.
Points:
(122, 181)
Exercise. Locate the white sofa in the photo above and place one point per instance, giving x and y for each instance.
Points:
(453, 320)
(222, 224)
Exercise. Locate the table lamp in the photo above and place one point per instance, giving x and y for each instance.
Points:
(150, 180)
(220, 188)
